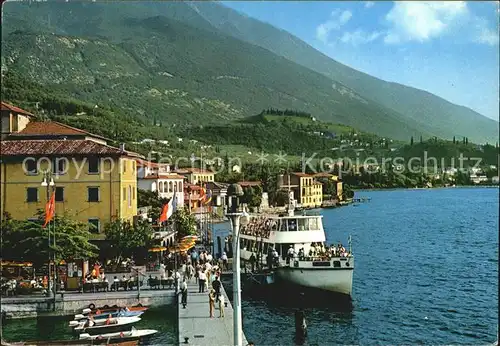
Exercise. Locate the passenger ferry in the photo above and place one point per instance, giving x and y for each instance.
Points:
(265, 233)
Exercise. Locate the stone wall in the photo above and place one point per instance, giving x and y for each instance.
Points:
(69, 304)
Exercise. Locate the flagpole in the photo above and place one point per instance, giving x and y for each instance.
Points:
(54, 252)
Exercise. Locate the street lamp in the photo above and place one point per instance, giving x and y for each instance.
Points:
(234, 193)
(48, 182)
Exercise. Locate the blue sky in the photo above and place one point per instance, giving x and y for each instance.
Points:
(447, 48)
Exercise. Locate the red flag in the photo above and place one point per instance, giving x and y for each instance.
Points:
(50, 209)
(203, 194)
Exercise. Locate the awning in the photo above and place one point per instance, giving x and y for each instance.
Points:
(158, 249)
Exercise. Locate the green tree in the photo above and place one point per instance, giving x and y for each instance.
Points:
(28, 240)
(184, 222)
(126, 238)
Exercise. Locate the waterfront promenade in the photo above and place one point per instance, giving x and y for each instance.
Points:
(195, 322)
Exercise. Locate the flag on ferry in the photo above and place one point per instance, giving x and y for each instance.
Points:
(50, 209)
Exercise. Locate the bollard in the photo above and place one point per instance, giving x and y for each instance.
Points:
(186, 340)
(300, 324)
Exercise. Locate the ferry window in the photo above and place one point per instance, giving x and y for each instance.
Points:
(313, 224)
(282, 226)
(242, 243)
(336, 264)
(292, 225)
(274, 225)
(303, 225)
(266, 248)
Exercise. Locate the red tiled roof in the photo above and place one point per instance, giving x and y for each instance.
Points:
(323, 175)
(58, 147)
(51, 128)
(8, 107)
(302, 175)
(163, 176)
(192, 186)
(249, 183)
(146, 163)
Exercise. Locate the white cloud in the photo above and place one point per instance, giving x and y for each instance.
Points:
(359, 37)
(488, 36)
(369, 4)
(335, 23)
(427, 20)
(422, 21)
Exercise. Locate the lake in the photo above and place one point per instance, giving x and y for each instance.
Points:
(426, 272)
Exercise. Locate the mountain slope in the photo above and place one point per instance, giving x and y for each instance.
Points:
(432, 113)
(159, 67)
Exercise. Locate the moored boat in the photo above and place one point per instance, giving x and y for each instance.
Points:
(133, 333)
(301, 256)
(92, 309)
(101, 326)
(120, 313)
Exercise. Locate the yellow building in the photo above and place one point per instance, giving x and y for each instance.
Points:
(197, 175)
(93, 182)
(339, 186)
(307, 190)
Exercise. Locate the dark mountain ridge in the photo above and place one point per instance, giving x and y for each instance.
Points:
(174, 55)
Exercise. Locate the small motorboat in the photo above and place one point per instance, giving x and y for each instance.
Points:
(134, 333)
(92, 309)
(101, 326)
(121, 313)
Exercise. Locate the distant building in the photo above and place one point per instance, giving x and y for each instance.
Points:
(339, 185)
(158, 178)
(305, 187)
(196, 175)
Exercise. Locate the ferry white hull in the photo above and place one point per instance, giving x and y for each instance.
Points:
(333, 280)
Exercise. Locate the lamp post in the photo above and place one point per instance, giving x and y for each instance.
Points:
(48, 182)
(234, 192)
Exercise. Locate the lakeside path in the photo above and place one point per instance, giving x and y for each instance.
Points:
(195, 322)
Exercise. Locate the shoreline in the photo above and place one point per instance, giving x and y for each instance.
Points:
(423, 188)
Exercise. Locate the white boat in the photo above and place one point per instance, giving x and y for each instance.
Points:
(282, 232)
(115, 324)
(134, 333)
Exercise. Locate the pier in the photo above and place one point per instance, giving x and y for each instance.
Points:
(196, 325)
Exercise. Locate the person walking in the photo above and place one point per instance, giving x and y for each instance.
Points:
(202, 277)
(224, 261)
(216, 286)
(184, 293)
(211, 302)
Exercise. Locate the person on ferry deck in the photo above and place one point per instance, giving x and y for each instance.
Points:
(252, 262)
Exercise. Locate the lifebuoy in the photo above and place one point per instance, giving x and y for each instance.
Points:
(296, 263)
(105, 307)
(91, 306)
